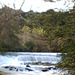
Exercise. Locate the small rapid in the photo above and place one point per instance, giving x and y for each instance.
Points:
(17, 58)
(21, 63)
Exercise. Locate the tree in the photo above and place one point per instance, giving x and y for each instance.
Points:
(68, 45)
(9, 26)
(60, 32)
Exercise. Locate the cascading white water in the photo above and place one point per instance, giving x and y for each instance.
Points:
(15, 58)
(15, 63)
(38, 58)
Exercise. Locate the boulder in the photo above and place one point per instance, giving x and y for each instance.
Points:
(28, 69)
(27, 65)
(20, 69)
(12, 68)
(49, 68)
(6, 67)
(54, 68)
(16, 69)
(45, 70)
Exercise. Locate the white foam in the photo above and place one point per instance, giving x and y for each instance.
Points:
(20, 59)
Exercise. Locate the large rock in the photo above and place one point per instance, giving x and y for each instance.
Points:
(27, 65)
(20, 69)
(45, 70)
(6, 67)
(28, 69)
(12, 68)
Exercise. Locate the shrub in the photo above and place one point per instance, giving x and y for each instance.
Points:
(33, 46)
(1, 73)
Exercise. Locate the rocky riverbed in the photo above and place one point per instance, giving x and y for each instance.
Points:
(30, 64)
(32, 70)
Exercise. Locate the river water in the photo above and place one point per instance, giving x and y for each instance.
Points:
(28, 57)
(29, 63)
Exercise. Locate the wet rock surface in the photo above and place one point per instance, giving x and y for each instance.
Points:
(48, 69)
(27, 68)
(27, 65)
(14, 68)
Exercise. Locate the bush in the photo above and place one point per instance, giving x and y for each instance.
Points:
(1, 73)
(33, 46)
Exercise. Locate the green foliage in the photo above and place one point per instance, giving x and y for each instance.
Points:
(72, 71)
(30, 45)
(68, 59)
(1, 73)
(9, 26)
(61, 36)
(57, 28)
(33, 46)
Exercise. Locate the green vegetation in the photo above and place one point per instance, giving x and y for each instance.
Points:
(39, 32)
(34, 46)
(17, 28)
(1, 73)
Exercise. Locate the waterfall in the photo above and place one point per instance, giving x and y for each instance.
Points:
(16, 64)
(17, 58)
(38, 58)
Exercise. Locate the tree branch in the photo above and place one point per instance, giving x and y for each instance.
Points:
(22, 4)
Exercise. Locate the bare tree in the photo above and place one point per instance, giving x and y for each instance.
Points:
(22, 4)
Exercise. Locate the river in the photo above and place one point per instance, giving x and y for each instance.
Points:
(30, 63)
